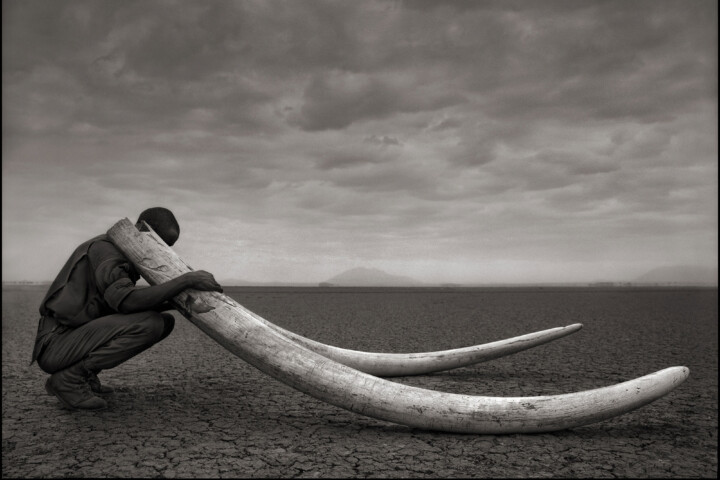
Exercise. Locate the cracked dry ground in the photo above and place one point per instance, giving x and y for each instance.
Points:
(189, 408)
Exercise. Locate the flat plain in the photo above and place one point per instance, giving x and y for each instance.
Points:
(189, 408)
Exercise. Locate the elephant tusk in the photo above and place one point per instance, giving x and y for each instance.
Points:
(404, 364)
(242, 333)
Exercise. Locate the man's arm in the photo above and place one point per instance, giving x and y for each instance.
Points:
(149, 298)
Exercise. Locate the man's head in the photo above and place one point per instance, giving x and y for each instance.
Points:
(163, 222)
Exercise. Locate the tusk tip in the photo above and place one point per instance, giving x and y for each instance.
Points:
(676, 374)
(684, 372)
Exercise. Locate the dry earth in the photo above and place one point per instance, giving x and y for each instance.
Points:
(189, 408)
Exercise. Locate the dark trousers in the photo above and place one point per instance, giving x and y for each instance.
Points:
(106, 342)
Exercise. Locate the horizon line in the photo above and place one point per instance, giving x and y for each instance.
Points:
(621, 283)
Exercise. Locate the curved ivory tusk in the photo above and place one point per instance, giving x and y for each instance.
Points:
(403, 364)
(240, 331)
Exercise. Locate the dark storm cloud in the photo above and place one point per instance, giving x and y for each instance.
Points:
(138, 62)
(446, 123)
(129, 65)
(337, 99)
(344, 158)
(154, 63)
(606, 60)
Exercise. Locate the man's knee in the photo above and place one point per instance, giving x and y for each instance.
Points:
(152, 324)
(169, 324)
(49, 364)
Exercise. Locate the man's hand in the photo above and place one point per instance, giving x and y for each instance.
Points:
(141, 299)
(202, 280)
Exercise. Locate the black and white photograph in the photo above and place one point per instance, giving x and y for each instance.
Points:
(359, 238)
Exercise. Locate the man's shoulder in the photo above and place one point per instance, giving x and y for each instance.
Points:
(102, 246)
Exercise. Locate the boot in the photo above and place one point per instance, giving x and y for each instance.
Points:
(96, 386)
(71, 388)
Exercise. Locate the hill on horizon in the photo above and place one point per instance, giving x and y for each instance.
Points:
(370, 277)
(374, 277)
(681, 274)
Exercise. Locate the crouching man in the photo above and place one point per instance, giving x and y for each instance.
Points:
(94, 318)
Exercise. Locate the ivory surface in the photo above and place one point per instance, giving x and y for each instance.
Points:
(244, 334)
(420, 363)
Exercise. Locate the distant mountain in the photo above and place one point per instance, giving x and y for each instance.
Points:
(681, 274)
(370, 277)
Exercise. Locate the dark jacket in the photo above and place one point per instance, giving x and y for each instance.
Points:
(93, 283)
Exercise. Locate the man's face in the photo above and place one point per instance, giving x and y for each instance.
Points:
(169, 235)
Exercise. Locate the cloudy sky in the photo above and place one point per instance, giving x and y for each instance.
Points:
(459, 141)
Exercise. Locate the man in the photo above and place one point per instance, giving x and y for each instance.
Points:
(93, 317)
